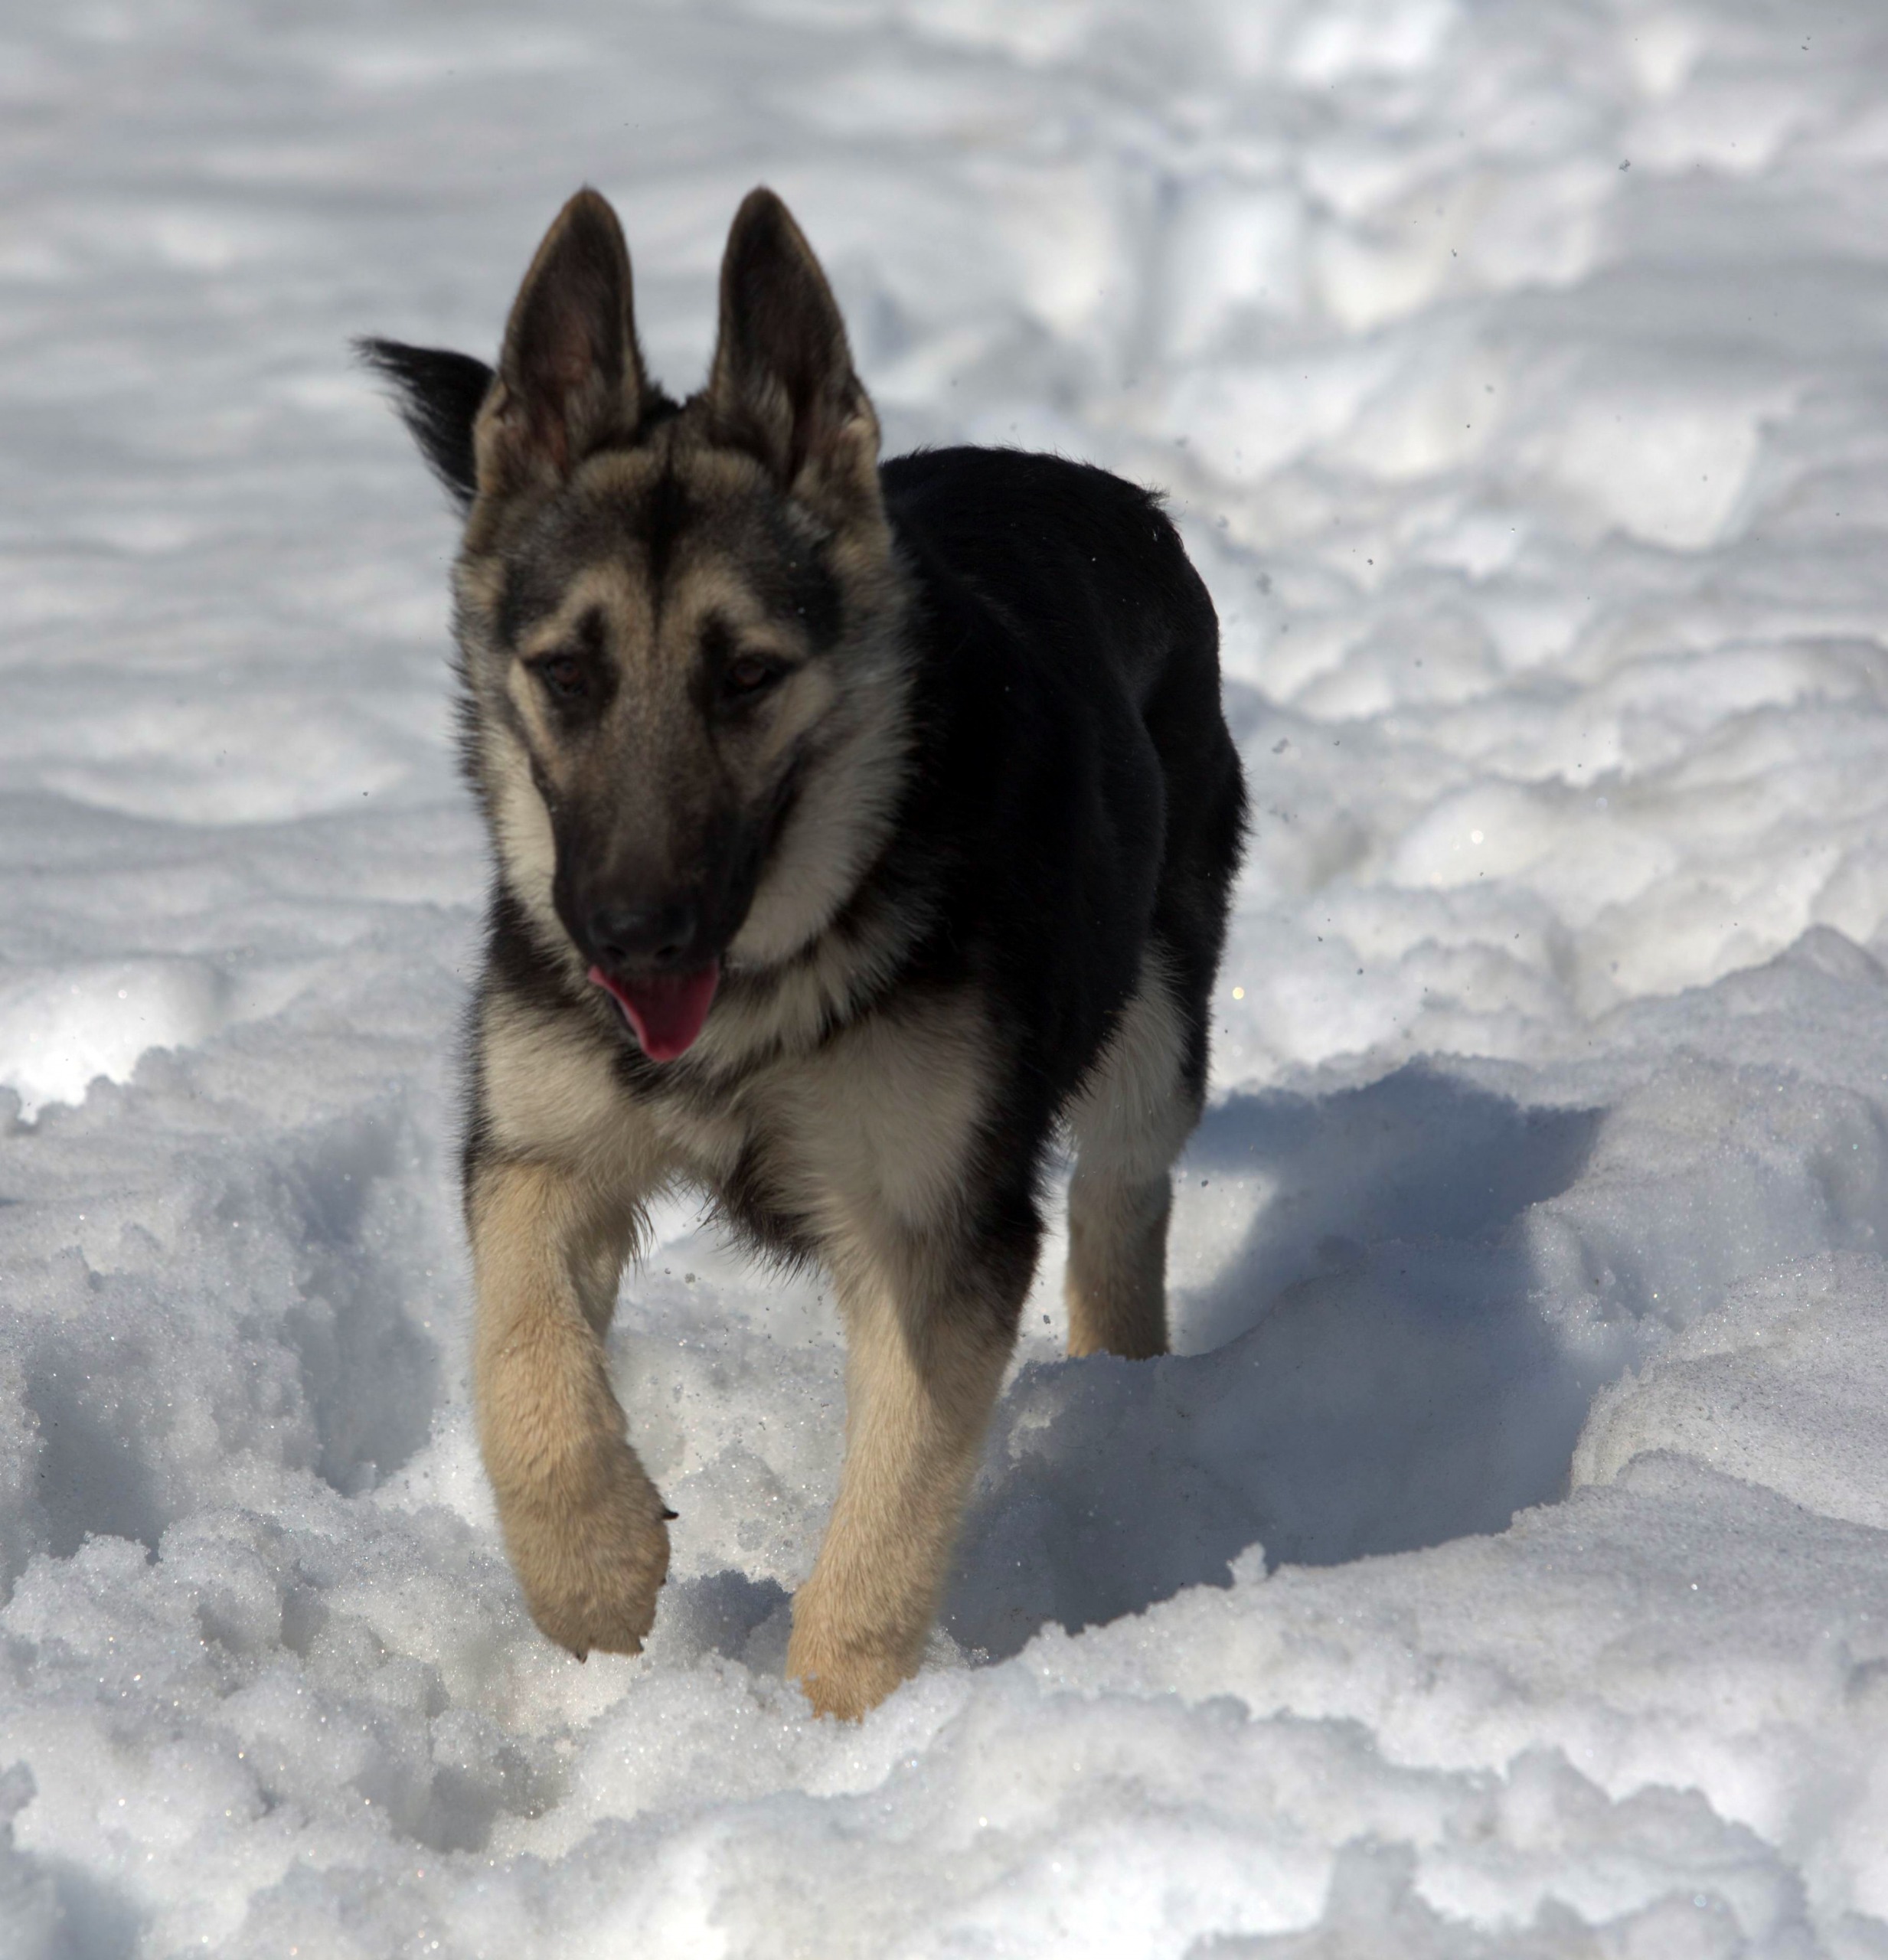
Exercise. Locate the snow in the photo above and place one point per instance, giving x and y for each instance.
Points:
(1498, 1567)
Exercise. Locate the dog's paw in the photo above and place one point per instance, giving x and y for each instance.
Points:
(846, 1680)
(593, 1558)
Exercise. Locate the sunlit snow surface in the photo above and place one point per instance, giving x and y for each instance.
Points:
(1520, 374)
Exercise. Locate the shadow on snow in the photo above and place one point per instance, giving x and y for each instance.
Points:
(1377, 1376)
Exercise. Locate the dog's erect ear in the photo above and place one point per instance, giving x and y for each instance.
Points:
(438, 395)
(571, 375)
(782, 385)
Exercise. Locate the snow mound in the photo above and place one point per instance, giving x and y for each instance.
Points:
(1499, 1566)
(61, 1031)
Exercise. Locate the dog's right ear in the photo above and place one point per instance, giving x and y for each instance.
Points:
(438, 395)
(570, 376)
(781, 384)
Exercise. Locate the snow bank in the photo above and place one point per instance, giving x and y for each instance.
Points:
(1498, 1566)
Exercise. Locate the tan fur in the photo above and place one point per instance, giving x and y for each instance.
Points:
(875, 1132)
(608, 587)
(875, 1128)
(582, 1524)
(857, 1118)
(550, 1094)
(818, 991)
(923, 1369)
(871, 1132)
(521, 825)
(855, 726)
(1128, 1125)
(839, 824)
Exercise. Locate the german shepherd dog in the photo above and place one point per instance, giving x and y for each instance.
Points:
(858, 826)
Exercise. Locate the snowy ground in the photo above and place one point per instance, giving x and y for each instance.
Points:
(1518, 374)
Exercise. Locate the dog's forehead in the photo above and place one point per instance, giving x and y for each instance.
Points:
(662, 527)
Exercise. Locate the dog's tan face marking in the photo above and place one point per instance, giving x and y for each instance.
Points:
(680, 627)
(680, 700)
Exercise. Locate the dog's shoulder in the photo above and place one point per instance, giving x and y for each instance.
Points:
(1019, 514)
(1081, 570)
(1051, 601)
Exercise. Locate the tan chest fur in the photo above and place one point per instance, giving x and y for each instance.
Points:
(871, 1130)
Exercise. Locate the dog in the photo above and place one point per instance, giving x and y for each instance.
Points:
(860, 828)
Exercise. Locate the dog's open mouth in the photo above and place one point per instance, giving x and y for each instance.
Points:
(665, 1012)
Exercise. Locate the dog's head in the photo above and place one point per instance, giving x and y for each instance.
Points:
(678, 624)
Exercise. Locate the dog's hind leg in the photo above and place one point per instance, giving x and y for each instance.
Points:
(1128, 1123)
(583, 1523)
(928, 1333)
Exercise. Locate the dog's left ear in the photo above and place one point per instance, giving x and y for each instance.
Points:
(782, 385)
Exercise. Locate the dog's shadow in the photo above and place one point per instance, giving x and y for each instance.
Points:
(1368, 1374)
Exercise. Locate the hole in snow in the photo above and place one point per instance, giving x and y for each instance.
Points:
(371, 1378)
(92, 1476)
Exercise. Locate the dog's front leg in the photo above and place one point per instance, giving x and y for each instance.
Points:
(583, 1523)
(925, 1358)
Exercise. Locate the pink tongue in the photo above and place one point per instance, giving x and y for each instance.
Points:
(666, 1014)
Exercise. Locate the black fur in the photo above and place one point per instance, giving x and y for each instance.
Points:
(1074, 791)
(900, 1002)
(1071, 664)
(1077, 792)
(782, 344)
(437, 393)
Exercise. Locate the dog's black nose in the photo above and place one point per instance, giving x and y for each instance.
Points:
(659, 931)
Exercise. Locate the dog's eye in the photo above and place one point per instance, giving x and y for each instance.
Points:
(748, 675)
(563, 674)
